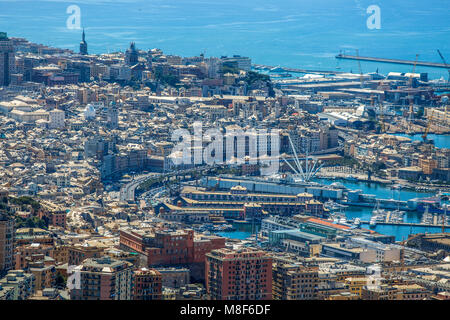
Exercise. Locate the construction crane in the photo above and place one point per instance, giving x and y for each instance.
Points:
(414, 69)
(361, 77)
(427, 130)
(411, 96)
(381, 107)
(443, 60)
(381, 112)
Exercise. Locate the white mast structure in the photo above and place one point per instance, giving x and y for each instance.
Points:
(310, 171)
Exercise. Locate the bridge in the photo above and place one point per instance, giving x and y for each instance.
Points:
(127, 191)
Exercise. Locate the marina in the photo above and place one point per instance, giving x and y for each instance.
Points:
(392, 217)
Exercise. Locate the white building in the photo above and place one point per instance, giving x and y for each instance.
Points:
(56, 119)
(243, 63)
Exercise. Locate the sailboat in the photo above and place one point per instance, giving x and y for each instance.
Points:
(376, 214)
(377, 210)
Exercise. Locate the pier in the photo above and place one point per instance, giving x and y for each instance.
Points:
(394, 61)
(408, 224)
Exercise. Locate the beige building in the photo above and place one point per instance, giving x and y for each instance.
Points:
(294, 282)
(56, 119)
(442, 116)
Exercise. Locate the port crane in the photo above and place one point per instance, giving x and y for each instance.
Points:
(381, 113)
(411, 96)
(427, 129)
(443, 60)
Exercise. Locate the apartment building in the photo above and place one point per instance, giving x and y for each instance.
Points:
(104, 279)
(169, 247)
(21, 285)
(7, 224)
(294, 282)
(147, 284)
(243, 274)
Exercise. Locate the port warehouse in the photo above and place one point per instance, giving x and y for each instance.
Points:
(199, 205)
(324, 192)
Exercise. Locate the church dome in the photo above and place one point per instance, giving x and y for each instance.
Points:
(89, 112)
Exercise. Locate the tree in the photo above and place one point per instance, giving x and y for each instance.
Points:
(253, 77)
(33, 222)
(60, 281)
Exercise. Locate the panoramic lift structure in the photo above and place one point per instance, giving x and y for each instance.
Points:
(304, 171)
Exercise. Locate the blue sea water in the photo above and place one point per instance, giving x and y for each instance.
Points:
(241, 235)
(364, 213)
(293, 33)
(381, 191)
(440, 140)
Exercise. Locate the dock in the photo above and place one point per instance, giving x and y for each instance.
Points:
(407, 224)
(394, 61)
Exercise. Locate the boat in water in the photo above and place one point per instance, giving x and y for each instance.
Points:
(378, 215)
(397, 216)
(337, 185)
(342, 220)
(377, 211)
(334, 206)
(373, 222)
(351, 178)
(427, 217)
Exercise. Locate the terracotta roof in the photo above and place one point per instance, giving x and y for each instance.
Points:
(327, 223)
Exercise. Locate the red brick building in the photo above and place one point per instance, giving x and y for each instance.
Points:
(168, 247)
(243, 274)
(161, 247)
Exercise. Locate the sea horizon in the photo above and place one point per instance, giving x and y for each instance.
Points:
(296, 34)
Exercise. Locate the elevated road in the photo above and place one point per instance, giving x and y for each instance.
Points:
(127, 191)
